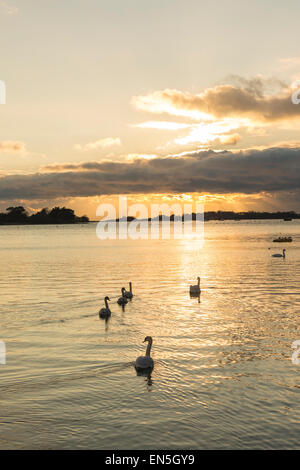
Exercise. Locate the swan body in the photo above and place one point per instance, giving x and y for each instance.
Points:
(145, 362)
(129, 294)
(122, 300)
(279, 255)
(195, 290)
(105, 311)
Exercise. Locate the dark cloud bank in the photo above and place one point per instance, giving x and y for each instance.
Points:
(249, 172)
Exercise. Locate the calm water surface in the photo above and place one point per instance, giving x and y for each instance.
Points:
(223, 375)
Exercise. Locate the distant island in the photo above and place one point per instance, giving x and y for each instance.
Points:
(223, 215)
(58, 215)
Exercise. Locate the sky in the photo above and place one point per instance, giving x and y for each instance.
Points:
(161, 101)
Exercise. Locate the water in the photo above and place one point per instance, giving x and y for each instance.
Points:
(223, 376)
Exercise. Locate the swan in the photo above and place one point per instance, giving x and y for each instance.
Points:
(195, 289)
(122, 300)
(129, 294)
(145, 362)
(279, 255)
(105, 312)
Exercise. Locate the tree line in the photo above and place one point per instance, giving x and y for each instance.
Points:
(58, 215)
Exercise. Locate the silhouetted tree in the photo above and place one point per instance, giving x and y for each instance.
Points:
(57, 215)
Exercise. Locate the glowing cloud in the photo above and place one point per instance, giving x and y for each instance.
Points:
(249, 99)
(163, 125)
(167, 101)
(12, 146)
(102, 143)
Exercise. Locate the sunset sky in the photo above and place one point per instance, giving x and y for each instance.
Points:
(161, 100)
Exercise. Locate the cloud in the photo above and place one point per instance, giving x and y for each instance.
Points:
(231, 139)
(163, 125)
(8, 9)
(248, 172)
(102, 143)
(254, 99)
(12, 146)
(23, 156)
(212, 133)
(289, 62)
(205, 141)
(204, 134)
(169, 102)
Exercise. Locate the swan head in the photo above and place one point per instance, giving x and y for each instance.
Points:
(148, 339)
(106, 298)
(123, 290)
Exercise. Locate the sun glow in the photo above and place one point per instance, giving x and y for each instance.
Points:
(154, 103)
(163, 125)
(212, 132)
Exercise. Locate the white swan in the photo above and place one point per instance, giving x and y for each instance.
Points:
(279, 255)
(129, 294)
(195, 290)
(105, 312)
(145, 362)
(122, 300)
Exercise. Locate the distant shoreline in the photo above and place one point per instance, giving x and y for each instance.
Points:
(63, 216)
(118, 221)
(217, 216)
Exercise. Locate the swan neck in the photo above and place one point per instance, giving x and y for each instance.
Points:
(130, 287)
(149, 348)
(199, 282)
(106, 303)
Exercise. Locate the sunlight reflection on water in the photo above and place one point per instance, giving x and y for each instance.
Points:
(223, 375)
